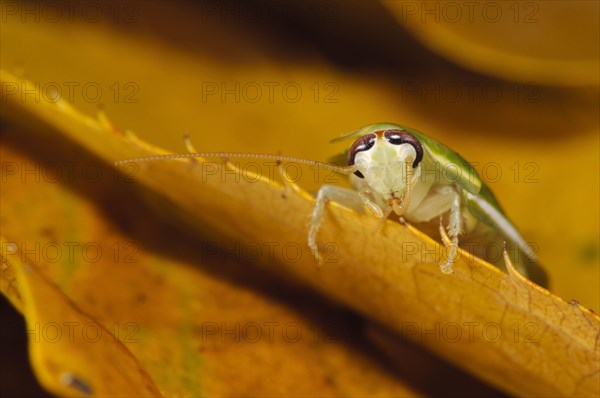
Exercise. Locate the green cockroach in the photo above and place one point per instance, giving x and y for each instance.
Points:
(390, 168)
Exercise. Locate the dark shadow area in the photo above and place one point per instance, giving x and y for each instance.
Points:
(16, 376)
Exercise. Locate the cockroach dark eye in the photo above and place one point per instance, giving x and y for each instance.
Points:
(399, 137)
(364, 143)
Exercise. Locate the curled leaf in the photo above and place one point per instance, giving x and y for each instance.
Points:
(504, 38)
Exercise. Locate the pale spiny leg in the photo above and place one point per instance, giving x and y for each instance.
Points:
(347, 197)
(445, 238)
(451, 239)
(447, 243)
(438, 201)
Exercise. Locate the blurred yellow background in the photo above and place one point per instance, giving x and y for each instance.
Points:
(511, 86)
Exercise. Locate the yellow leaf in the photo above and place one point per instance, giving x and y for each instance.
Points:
(187, 314)
(151, 72)
(506, 331)
(74, 355)
(548, 42)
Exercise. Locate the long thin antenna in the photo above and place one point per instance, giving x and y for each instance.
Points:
(227, 155)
